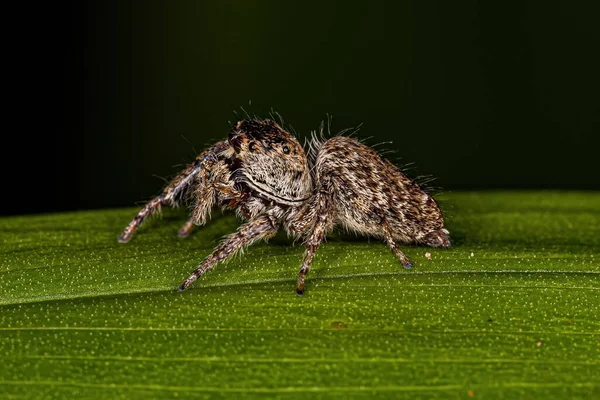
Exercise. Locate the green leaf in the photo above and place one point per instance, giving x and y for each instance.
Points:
(512, 310)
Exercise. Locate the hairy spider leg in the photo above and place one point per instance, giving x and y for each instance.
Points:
(260, 228)
(186, 229)
(323, 223)
(167, 197)
(389, 239)
(172, 193)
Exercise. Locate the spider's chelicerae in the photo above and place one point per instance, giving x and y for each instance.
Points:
(263, 173)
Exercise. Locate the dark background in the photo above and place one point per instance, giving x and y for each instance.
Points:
(477, 94)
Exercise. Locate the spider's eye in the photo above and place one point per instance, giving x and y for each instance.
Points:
(252, 146)
(286, 150)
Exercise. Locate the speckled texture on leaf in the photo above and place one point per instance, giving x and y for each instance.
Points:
(512, 310)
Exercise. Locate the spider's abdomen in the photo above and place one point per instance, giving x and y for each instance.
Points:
(367, 191)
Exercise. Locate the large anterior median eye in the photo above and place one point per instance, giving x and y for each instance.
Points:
(252, 146)
(286, 150)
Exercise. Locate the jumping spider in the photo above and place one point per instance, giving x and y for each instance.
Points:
(263, 173)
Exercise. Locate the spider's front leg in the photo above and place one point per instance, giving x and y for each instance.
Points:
(175, 190)
(186, 229)
(262, 227)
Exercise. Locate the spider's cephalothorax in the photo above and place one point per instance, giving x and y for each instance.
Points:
(263, 173)
(271, 162)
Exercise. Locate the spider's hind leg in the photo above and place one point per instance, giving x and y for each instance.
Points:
(323, 224)
(389, 239)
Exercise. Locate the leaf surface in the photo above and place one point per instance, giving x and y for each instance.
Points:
(511, 310)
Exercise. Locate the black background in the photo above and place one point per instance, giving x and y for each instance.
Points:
(477, 94)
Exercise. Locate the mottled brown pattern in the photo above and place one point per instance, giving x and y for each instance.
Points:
(263, 173)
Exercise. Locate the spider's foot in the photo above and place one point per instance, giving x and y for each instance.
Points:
(186, 229)
(186, 284)
(124, 238)
(128, 232)
(405, 261)
(301, 278)
(183, 233)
